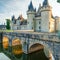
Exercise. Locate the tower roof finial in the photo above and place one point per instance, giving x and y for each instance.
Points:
(30, 7)
(45, 3)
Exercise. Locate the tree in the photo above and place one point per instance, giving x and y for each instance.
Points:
(8, 24)
(58, 1)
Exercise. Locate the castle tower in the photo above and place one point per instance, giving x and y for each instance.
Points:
(12, 21)
(45, 16)
(57, 25)
(30, 16)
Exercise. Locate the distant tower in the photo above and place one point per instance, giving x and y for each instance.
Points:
(13, 17)
(57, 25)
(30, 17)
(39, 9)
(13, 21)
(45, 16)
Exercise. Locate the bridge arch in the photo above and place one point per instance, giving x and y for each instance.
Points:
(16, 46)
(5, 42)
(35, 47)
(42, 46)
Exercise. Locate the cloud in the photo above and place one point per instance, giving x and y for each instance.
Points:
(9, 8)
(14, 6)
(17, 7)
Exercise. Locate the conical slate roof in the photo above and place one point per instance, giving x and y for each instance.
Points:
(30, 7)
(45, 3)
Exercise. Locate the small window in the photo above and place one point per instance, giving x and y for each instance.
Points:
(14, 21)
(39, 27)
(32, 27)
(39, 22)
(50, 37)
(17, 28)
(28, 22)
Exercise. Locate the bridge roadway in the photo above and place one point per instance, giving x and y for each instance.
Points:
(53, 37)
(52, 40)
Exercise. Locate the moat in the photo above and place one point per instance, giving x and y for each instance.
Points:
(38, 55)
(12, 47)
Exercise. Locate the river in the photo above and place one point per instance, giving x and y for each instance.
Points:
(38, 55)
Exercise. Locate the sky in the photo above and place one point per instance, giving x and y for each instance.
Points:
(8, 8)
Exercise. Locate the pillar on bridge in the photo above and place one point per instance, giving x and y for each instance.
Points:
(26, 44)
(1, 37)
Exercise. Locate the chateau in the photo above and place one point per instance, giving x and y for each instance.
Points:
(41, 20)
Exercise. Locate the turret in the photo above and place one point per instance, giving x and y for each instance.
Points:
(20, 17)
(13, 17)
(46, 6)
(45, 3)
(12, 21)
(39, 9)
(46, 14)
(57, 25)
(30, 16)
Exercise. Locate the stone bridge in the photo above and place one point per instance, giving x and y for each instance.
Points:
(33, 41)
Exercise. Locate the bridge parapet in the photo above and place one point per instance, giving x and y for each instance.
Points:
(51, 39)
(35, 35)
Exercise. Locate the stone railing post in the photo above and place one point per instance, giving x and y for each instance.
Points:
(1, 38)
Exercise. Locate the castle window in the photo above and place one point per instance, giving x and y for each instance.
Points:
(17, 28)
(14, 21)
(39, 27)
(42, 36)
(28, 22)
(39, 22)
(32, 27)
(50, 37)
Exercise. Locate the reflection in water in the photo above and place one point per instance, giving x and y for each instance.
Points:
(5, 42)
(16, 46)
(38, 55)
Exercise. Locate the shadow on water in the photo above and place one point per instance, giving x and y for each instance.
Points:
(38, 55)
(1, 47)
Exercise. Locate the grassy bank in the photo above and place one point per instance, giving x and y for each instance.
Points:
(6, 30)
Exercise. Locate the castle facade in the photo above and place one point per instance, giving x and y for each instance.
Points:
(41, 20)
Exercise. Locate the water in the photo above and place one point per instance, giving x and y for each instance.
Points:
(3, 57)
(38, 55)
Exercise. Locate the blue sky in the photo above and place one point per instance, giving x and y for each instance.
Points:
(17, 7)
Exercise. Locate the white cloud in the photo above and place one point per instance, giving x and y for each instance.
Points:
(17, 7)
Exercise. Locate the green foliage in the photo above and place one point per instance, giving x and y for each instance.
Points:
(8, 24)
(58, 1)
(6, 31)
